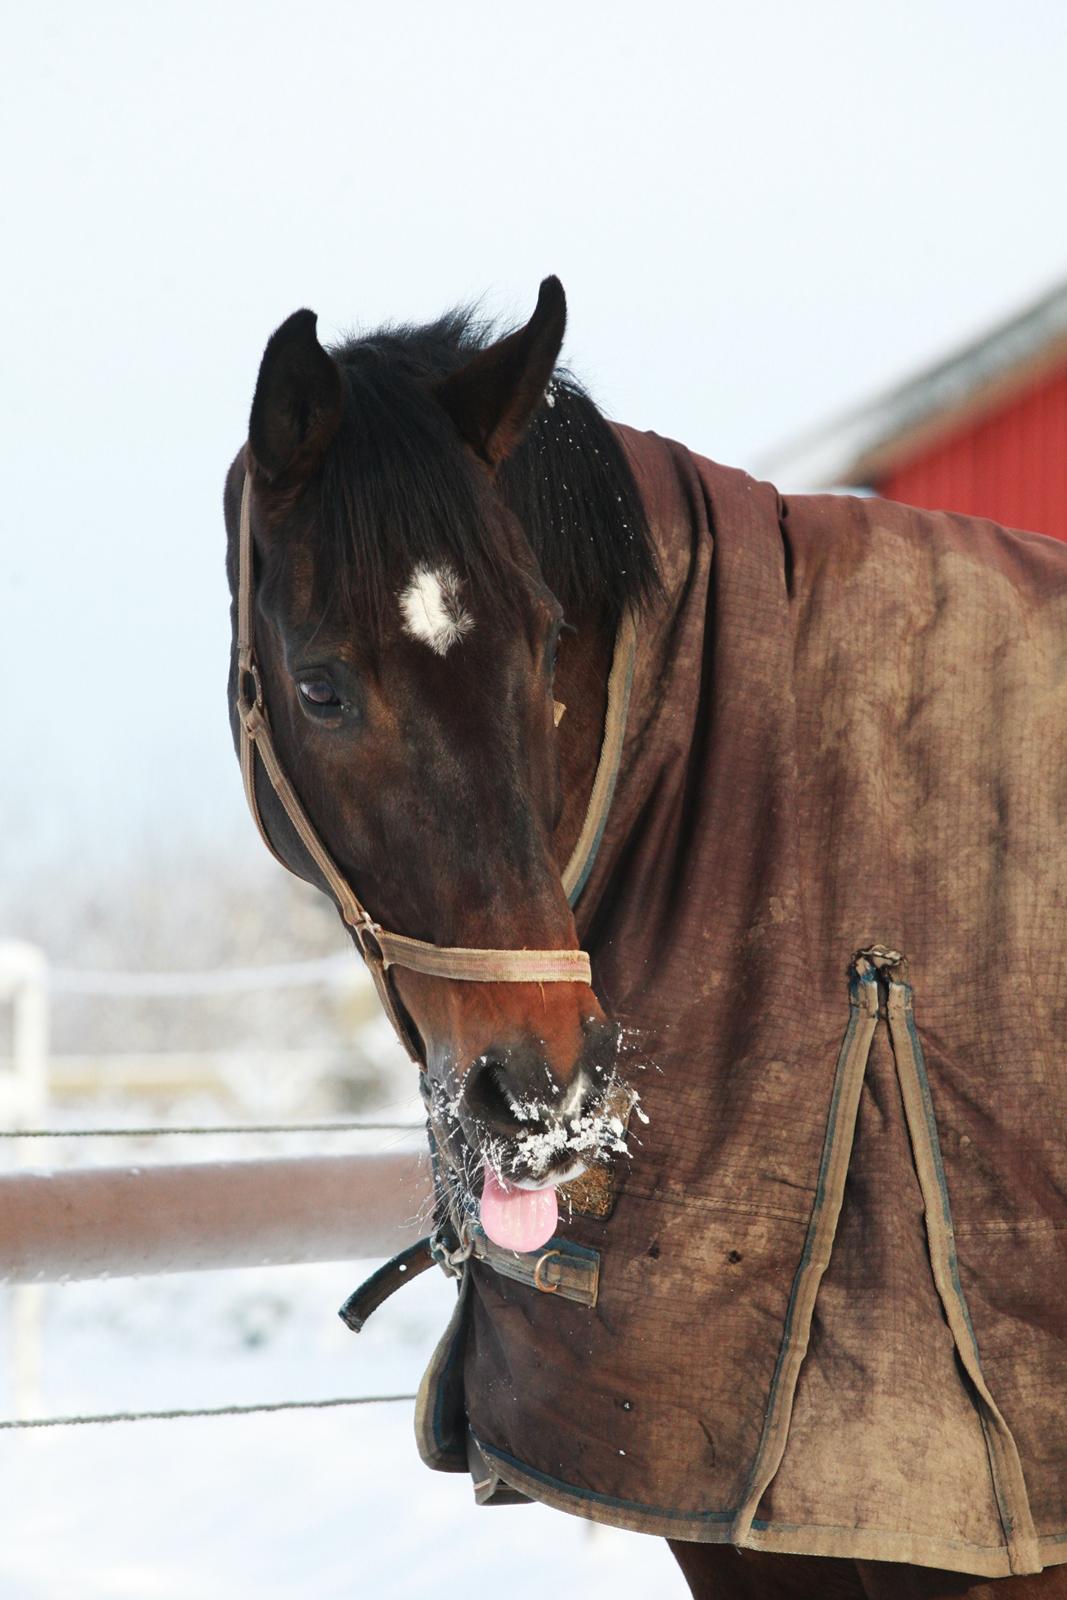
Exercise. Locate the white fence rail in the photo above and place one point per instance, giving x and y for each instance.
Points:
(24, 986)
(341, 970)
(29, 1076)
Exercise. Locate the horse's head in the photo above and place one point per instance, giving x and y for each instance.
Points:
(406, 640)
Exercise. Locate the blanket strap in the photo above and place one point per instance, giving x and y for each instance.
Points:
(879, 975)
(822, 1226)
(563, 1267)
(1009, 1485)
(386, 1281)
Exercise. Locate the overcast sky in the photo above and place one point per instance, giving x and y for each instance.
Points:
(760, 214)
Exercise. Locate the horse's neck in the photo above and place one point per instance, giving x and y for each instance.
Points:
(582, 686)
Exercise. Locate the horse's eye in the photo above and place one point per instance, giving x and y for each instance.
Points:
(552, 647)
(319, 692)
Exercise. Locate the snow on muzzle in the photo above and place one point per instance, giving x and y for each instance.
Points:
(519, 1209)
(517, 1130)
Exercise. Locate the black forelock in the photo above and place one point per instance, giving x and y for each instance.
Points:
(397, 487)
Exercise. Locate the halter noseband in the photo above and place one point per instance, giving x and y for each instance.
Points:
(380, 949)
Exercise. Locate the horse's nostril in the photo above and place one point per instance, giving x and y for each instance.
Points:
(490, 1096)
(513, 1090)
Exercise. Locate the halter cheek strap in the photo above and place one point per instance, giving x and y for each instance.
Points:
(381, 949)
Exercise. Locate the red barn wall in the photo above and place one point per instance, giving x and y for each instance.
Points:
(1010, 465)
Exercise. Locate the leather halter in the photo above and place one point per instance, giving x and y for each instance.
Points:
(380, 949)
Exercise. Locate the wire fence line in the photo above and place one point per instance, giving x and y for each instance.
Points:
(213, 1129)
(19, 1423)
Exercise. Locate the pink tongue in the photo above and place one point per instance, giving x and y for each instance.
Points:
(518, 1219)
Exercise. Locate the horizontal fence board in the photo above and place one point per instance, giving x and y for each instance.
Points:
(205, 1215)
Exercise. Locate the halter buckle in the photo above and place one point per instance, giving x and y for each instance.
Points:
(368, 937)
(249, 708)
(451, 1261)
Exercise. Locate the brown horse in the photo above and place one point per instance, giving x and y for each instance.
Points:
(448, 542)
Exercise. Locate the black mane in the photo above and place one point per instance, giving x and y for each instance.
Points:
(396, 488)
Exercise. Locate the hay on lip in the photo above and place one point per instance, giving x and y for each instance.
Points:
(593, 1194)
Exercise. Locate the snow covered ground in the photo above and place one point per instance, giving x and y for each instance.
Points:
(329, 1505)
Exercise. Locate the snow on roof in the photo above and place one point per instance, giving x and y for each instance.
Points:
(862, 445)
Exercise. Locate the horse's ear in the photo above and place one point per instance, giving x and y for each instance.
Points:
(297, 406)
(493, 397)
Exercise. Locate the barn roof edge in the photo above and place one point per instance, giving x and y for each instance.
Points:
(865, 442)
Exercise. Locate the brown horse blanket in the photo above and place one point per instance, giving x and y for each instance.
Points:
(831, 1302)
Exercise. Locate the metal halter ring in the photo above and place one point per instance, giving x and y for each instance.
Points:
(539, 1282)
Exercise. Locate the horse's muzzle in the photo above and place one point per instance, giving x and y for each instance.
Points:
(527, 1123)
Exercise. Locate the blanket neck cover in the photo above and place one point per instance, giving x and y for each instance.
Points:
(831, 899)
